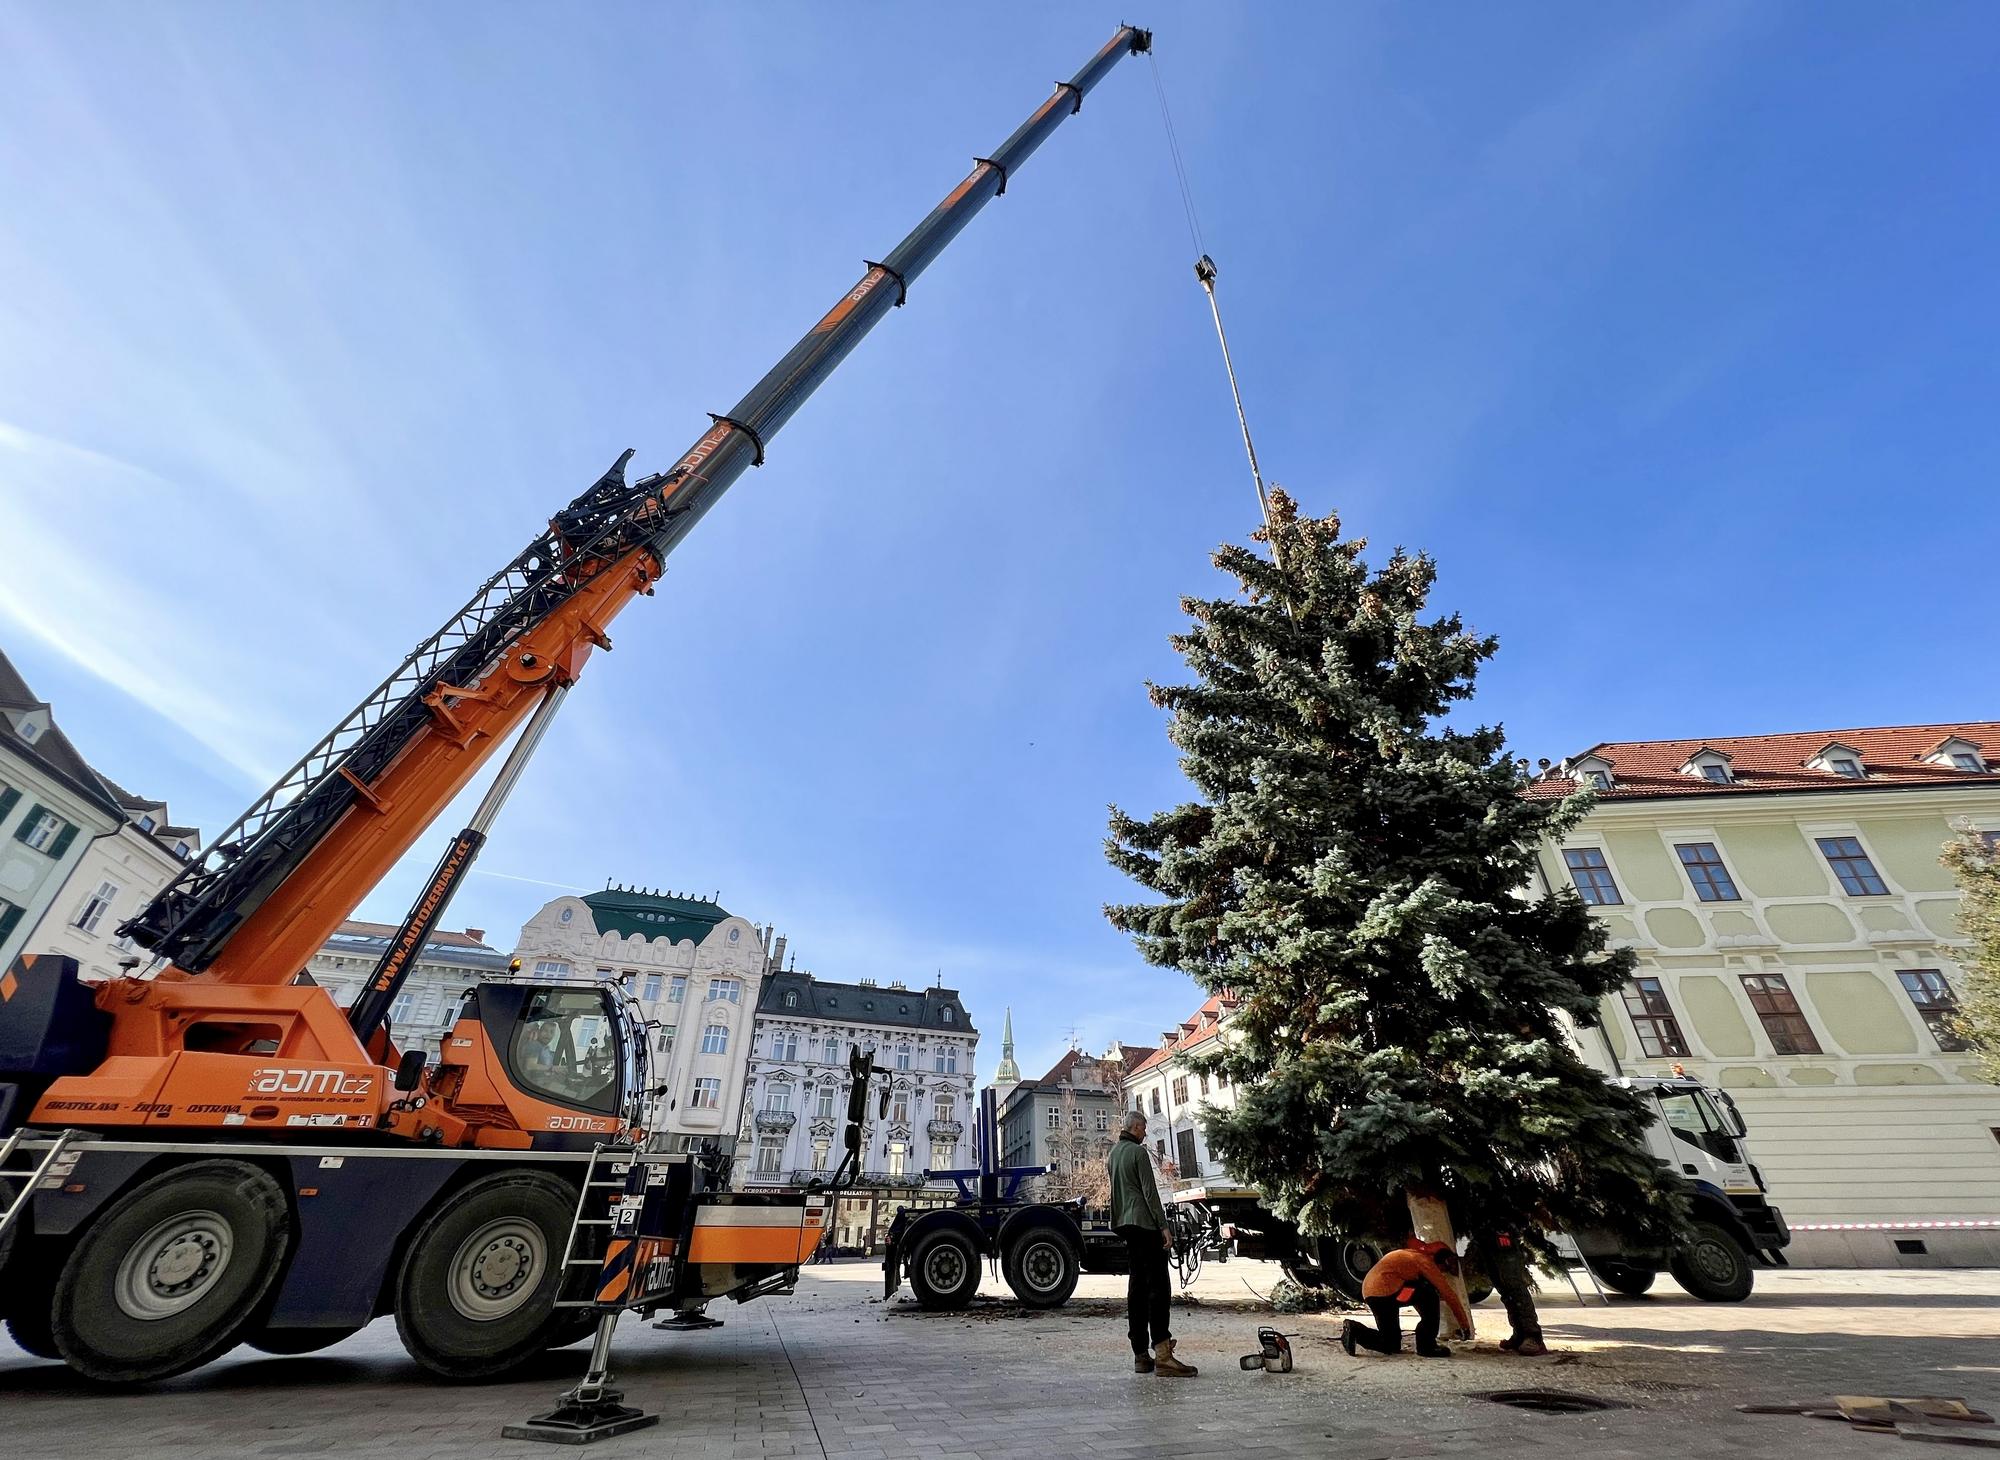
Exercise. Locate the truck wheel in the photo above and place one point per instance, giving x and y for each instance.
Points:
(1041, 1268)
(944, 1270)
(1711, 1266)
(27, 1294)
(477, 1292)
(1622, 1277)
(1346, 1260)
(169, 1276)
(288, 1342)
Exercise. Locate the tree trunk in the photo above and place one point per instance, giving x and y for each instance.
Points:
(1431, 1222)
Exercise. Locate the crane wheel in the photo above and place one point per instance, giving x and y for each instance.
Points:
(944, 1270)
(476, 1296)
(170, 1274)
(1041, 1267)
(30, 1295)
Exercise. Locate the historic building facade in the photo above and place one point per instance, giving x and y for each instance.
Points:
(78, 853)
(1067, 1120)
(1798, 946)
(696, 971)
(426, 1006)
(795, 1097)
(1174, 1097)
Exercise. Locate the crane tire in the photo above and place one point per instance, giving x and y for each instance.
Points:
(27, 1293)
(171, 1273)
(1041, 1267)
(944, 1270)
(1712, 1265)
(476, 1294)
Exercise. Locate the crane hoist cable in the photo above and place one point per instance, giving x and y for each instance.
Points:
(1205, 271)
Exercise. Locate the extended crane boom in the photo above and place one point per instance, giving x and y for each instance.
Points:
(270, 890)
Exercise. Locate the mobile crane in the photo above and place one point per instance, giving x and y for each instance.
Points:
(221, 1154)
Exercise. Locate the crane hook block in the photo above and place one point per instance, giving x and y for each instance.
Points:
(1204, 269)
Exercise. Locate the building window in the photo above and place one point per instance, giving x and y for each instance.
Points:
(823, 1106)
(1156, 1102)
(715, 1039)
(1599, 780)
(1591, 876)
(950, 1015)
(677, 988)
(44, 831)
(720, 989)
(819, 1155)
(400, 1009)
(791, 998)
(947, 1062)
(1076, 1117)
(1846, 765)
(778, 1100)
(1103, 1121)
(1716, 771)
(785, 1046)
(899, 1108)
(770, 1152)
(1055, 1118)
(664, 1040)
(146, 823)
(1203, 1080)
(902, 1057)
(1851, 865)
(946, 1108)
(1965, 760)
(941, 1154)
(1180, 1090)
(1784, 1021)
(1653, 1018)
(652, 993)
(1936, 1002)
(552, 968)
(96, 906)
(1705, 871)
(707, 1095)
(896, 1158)
(9, 916)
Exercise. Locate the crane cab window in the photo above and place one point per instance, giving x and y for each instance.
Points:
(1694, 1119)
(563, 1049)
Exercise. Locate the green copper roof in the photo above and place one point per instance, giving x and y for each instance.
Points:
(629, 912)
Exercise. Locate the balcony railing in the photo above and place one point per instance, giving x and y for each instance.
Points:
(945, 1130)
(776, 1119)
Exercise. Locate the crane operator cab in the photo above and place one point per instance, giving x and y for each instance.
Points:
(565, 1062)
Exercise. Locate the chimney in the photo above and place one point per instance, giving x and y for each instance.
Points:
(778, 953)
(477, 935)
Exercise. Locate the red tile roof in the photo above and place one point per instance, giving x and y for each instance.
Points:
(1892, 755)
(356, 928)
(1206, 1024)
(1136, 1056)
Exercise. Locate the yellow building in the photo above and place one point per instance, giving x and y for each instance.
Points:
(1798, 946)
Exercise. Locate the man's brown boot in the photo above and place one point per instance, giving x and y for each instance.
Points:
(1165, 1363)
(1142, 1363)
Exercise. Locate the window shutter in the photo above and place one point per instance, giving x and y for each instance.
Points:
(9, 915)
(8, 796)
(62, 841)
(27, 822)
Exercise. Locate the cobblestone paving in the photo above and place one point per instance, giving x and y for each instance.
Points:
(834, 1371)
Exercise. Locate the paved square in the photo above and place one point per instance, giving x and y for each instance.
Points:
(834, 1371)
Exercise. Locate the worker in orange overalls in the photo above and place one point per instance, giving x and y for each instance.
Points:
(1418, 1273)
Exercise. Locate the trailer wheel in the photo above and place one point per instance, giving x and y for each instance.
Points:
(1041, 1267)
(1712, 1266)
(1622, 1277)
(289, 1342)
(944, 1270)
(169, 1276)
(477, 1292)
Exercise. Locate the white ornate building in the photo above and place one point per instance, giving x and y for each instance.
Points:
(426, 1006)
(795, 1098)
(697, 972)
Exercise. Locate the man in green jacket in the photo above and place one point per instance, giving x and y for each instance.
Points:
(1137, 1216)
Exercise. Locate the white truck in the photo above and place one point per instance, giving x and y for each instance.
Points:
(1698, 1133)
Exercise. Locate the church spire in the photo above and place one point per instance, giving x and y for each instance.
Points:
(1008, 1075)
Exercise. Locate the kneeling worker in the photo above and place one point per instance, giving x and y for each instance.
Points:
(1415, 1274)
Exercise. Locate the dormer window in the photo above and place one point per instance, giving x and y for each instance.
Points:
(1709, 764)
(1838, 759)
(1599, 780)
(1955, 752)
(1846, 765)
(1593, 771)
(146, 823)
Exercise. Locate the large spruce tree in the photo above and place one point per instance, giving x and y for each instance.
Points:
(1361, 875)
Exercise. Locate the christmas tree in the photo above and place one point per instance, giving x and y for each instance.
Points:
(1360, 874)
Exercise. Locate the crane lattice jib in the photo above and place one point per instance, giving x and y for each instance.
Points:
(193, 919)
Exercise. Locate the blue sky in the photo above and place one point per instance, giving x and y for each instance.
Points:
(1668, 329)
